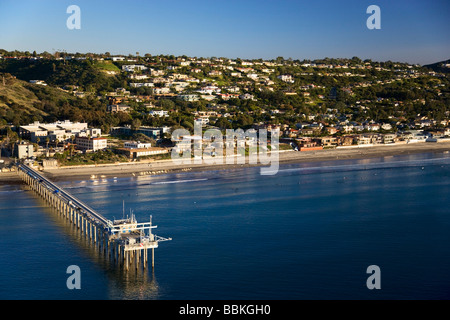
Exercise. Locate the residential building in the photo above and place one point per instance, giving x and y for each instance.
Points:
(40, 82)
(286, 78)
(214, 73)
(202, 120)
(327, 141)
(188, 97)
(133, 67)
(331, 130)
(159, 113)
(163, 90)
(141, 84)
(135, 76)
(113, 108)
(246, 96)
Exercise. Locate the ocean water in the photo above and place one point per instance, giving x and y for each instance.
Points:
(308, 232)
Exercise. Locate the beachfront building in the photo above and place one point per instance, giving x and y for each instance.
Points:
(87, 144)
(134, 153)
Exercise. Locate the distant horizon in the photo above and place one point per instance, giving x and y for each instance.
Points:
(117, 54)
(413, 32)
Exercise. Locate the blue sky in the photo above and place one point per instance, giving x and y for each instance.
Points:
(411, 31)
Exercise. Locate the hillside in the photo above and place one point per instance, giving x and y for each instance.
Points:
(88, 75)
(22, 102)
(221, 92)
(439, 66)
(15, 92)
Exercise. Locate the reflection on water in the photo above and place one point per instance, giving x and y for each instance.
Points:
(133, 285)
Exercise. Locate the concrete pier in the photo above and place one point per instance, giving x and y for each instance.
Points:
(124, 242)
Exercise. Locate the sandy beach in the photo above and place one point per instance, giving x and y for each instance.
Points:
(168, 166)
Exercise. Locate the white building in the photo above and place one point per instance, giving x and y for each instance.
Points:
(60, 130)
(141, 84)
(137, 145)
(159, 113)
(23, 150)
(133, 67)
(202, 120)
(286, 78)
(40, 82)
(246, 96)
(188, 97)
(164, 90)
(91, 144)
(138, 76)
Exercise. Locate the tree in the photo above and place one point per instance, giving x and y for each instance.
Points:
(223, 123)
(47, 140)
(135, 124)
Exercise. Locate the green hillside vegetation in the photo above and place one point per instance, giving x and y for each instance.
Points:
(14, 92)
(106, 66)
(86, 74)
(23, 103)
(439, 66)
(363, 91)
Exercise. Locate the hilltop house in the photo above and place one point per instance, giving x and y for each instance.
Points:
(118, 108)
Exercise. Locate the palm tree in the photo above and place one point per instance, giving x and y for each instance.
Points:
(72, 147)
(47, 140)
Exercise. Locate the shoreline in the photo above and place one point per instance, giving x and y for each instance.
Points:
(287, 157)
